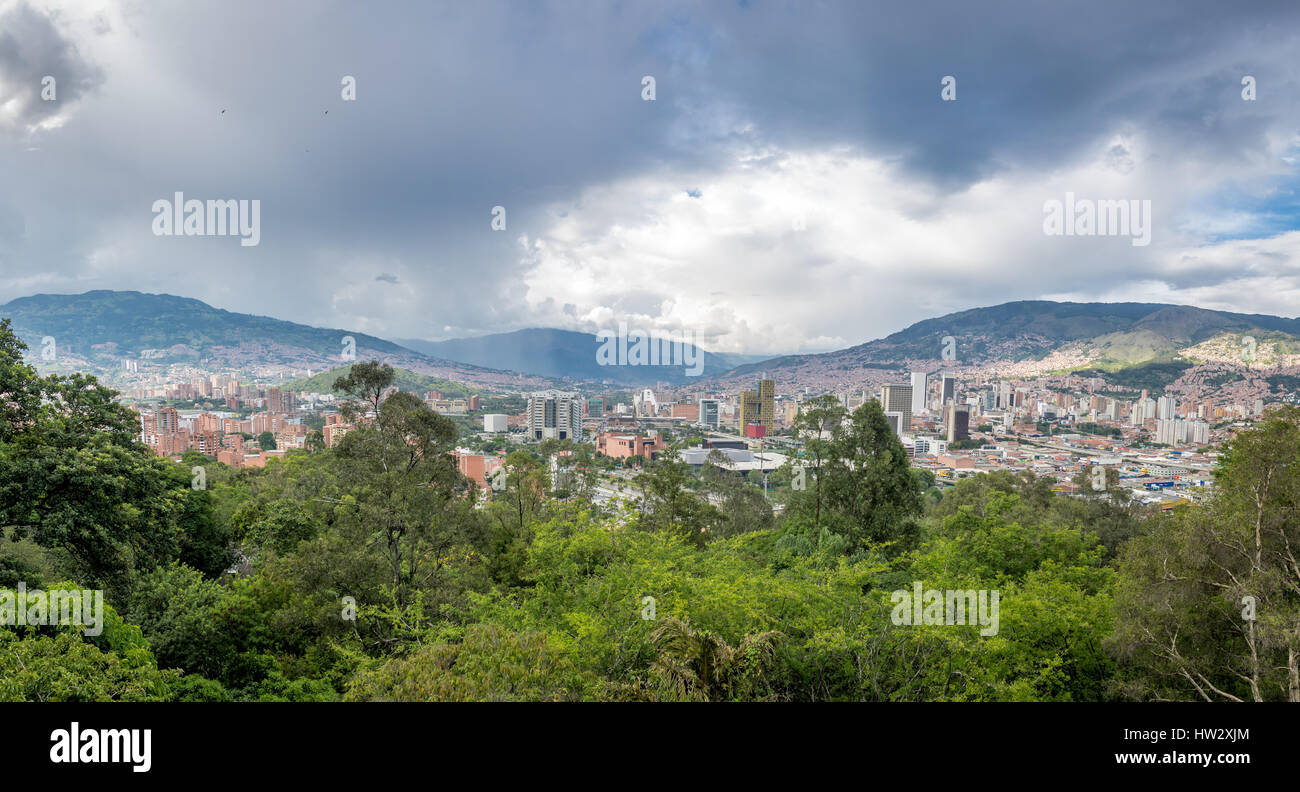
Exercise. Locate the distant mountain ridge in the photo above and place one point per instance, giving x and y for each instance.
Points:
(563, 353)
(97, 330)
(1104, 335)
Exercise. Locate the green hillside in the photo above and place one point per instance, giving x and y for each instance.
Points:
(405, 381)
(1151, 376)
(134, 322)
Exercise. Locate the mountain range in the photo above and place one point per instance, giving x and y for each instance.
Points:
(97, 330)
(1037, 337)
(565, 353)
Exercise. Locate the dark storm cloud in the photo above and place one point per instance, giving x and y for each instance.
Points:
(31, 50)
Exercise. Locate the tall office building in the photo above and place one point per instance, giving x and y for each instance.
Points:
(919, 379)
(948, 392)
(554, 415)
(759, 407)
(710, 412)
(958, 420)
(1004, 395)
(898, 398)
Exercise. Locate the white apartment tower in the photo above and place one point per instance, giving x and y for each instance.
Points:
(919, 379)
(554, 415)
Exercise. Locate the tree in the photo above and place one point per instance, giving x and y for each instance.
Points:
(366, 383)
(488, 664)
(20, 388)
(74, 477)
(1209, 599)
(816, 425)
(402, 484)
(266, 441)
(698, 665)
(66, 668)
(512, 512)
(868, 481)
(741, 504)
(667, 505)
(1088, 478)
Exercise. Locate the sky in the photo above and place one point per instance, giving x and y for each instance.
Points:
(798, 182)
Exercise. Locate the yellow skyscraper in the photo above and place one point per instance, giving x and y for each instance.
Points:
(759, 407)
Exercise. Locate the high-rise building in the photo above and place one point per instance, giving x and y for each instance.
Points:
(275, 401)
(958, 421)
(646, 403)
(918, 391)
(1171, 431)
(1166, 408)
(554, 415)
(949, 390)
(1177, 431)
(1004, 395)
(709, 412)
(759, 407)
(898, 398)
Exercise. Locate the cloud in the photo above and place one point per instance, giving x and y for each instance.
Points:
(798, 184)
(814, 250)
(42, 74)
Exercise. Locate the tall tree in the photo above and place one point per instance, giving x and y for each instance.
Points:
(816, 425)
(869, 483)
(366, 383)
(402, 481)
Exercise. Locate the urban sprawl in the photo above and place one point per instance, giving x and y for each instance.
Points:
(1162, 448)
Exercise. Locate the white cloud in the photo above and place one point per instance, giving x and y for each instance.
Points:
(876, 251)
